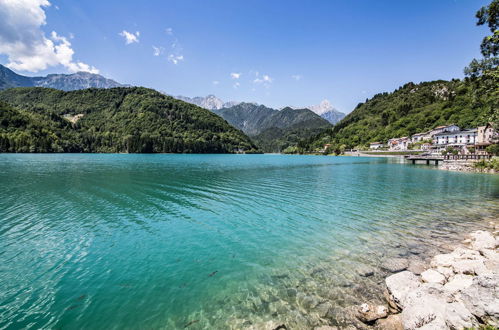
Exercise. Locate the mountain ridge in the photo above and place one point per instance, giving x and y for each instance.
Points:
(65, 82)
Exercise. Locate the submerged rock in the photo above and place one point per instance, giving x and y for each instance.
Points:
(326, 327)
(368, 313)
(416, 267)
(392, 322)
(365, 271)
(395, 264)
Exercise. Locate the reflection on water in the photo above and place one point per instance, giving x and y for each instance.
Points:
(216, 241)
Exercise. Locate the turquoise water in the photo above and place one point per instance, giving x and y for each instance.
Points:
(215, 241)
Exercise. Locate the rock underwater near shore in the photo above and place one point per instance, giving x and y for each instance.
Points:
(459, 290)
(451, 287)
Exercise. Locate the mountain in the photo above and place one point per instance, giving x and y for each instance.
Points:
(9, 79)
(326, 110)
(210, 102)
(273, 130)
(132, 119)
(323, 107)
(66, 82)
(248, 117)
(410, 109)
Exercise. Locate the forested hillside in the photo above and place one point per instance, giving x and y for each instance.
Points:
(111, 120)
(410, 109)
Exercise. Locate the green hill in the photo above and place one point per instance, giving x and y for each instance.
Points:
(273, 130)
(411, 109)
(111, 120)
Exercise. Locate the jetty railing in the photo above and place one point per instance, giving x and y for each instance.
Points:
(467, 157)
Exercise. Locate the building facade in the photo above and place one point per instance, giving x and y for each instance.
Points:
(399, 144)
(456, 138)
(375, 145)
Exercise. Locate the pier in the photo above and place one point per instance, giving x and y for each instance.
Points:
(431, 159)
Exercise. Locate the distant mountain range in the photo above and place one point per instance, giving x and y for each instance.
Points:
(326, 110)
(210, 102)
(273, 130)
(65, 82)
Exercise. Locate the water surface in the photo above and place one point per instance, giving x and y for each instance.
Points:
(215, 241)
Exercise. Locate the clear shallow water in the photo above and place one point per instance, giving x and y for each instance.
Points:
(215, 241)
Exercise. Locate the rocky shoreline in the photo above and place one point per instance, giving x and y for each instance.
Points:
(457, 290)
(463, 166)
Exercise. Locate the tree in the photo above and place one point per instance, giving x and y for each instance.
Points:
(485, 71)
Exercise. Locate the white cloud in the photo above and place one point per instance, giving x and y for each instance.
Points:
(175, 59)
(265, 79)
(236, 84)
(297, 77)
(157, 50)
(215, 82)
(235, 75)
(169, 31)
(130, 37)
(26, 45)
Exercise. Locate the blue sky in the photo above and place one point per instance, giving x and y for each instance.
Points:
(272, 52)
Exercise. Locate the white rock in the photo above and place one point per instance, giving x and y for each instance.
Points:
(482, 298)
(463, 253)
(445, 271)
(423, 310)
(458, 283)
(490, 254)
(482, 240)
(399, 285)
(428, 309)
(442, 260)
(432, 276)
(457, 316)
(470, 267)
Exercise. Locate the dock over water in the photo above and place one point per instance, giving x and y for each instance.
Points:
(434, 159)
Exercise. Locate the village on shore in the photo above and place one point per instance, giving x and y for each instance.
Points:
(443, 138)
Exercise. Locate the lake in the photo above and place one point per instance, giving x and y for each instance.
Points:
(110, 241)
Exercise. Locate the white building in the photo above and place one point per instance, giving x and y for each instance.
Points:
(456, 138)
(375, 145)
(443, 129)
(418, 137)
(399, 144)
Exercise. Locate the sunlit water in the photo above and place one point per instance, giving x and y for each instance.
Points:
(216, 241)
